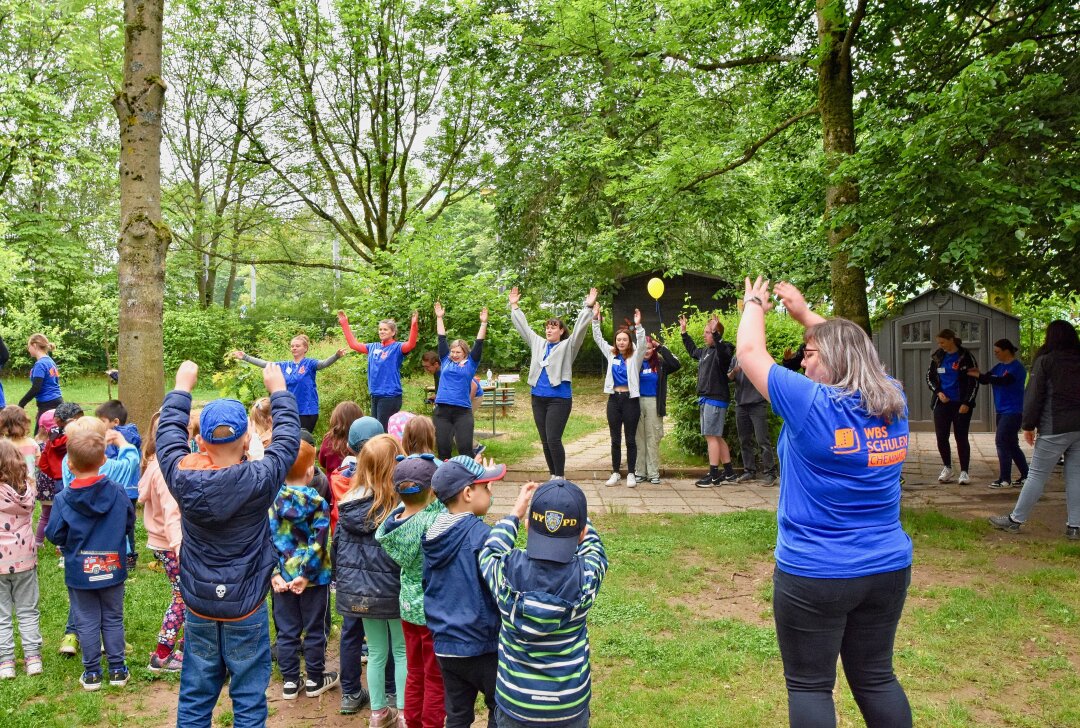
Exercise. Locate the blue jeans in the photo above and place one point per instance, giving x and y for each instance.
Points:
(1008, 446)
(1048, 449)
(215, 650)
(383, 408)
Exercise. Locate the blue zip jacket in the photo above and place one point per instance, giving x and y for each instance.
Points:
(121, 468)
(461, 613)
(227, 553)
(90, 521)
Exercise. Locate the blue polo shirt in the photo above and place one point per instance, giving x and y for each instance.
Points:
(300, 380)
(543, 386)
(839, 509)
(648, 380)
(45, 368)
(384, 369)
(949, 375)
(1009, 398)
(618, 371)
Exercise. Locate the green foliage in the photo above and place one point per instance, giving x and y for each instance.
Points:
(205, 336)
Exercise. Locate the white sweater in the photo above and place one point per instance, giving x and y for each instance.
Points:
(560, 361)
(633, 364)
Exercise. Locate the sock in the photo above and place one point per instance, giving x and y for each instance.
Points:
(163, 651)
(714, 471)
(728, 470)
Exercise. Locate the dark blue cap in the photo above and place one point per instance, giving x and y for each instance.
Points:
(414, 473)
(557, 517)
(229, 413)
(459, 472)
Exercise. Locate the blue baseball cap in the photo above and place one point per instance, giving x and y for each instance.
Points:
(362, 430)
(557, 517)
(229, 413)
(459, 472)
(416, 470)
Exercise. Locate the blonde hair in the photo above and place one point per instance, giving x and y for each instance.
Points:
(86, 446)
(853, 368)
(304, 338)
(86, 424)
(391, 323)
(13, 469)
(40, 341)
(261, 419)
(375, 471)
(462, 344)
(418, 436)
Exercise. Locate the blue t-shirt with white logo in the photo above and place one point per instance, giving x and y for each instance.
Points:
(300, 380)
(618, 371)
(45, 368)
(1009, 398)
(648, 380)
(949, 375)
(455, 384)
(384, 369)
(543, 386)
(839, 509)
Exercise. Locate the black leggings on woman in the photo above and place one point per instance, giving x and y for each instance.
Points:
(550, 415)
(623, 411)
(947, 416)
(453, 424)
(308, 422)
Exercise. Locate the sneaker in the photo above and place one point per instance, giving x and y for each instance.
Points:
(1000, 484)
(315, 688)
(353, 702)
(119, 678)
(1072, 533)
(1019, 482)
(7, 670)
(707, 482)
(132, 561)
(631, 480)
(1005, 523)
(640, 478)
(290, 689)
(385, 718)
(60, 563)
(69, 645)
(964, 478)
(33, 665)
(173, 663)
(613, 479)
(727, 477)
(90, 681)
(655, 480)
(747, 476)
(945, 476)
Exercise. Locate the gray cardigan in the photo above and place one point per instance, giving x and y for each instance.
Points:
(561, 359)
(633, 366)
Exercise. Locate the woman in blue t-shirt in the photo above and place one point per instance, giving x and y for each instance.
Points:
(622, 384)
(656, 365)
(843, 561)
(385, 357)
(44, 377)
(953, 401)
(1007, 378)
(453, 416)
(300, 376)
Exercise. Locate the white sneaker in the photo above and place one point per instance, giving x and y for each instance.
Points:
(964, 478)
(631, 480)
(614, 479)
(946, 475)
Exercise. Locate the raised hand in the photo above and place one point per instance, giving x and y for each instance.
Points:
(484, 315)
(273, 378)
(521, 506)
(514, 297)
(591, 299)
(342, 352)
(340, 314)
(682, 322)
(792, 298)
(415, 316)
(596, 311)
(237, 354)
(758, 291)
(439, 310)
(637, 317)
(187, 376)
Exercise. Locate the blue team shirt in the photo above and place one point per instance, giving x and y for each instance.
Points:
(839, 509)
(949, 375)
(618, 371)
(45, 368)
(455, 384)
(543, 386)
(300, 380)
(713, 402)
(648, 380)
(384, 369)
(1009, 398)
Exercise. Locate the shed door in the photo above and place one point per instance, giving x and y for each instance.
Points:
(915, 342)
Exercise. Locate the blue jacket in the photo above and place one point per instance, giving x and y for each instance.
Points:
(122, 467)
(90, 521)
(368, 580)
(130, 432)
(227, 553)
(461, 613)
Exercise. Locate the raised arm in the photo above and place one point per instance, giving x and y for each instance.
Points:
(241, 356)
(754, 358)
(671, 362)
(172, 432)
(414, 333)
(440, 323)
(639, 344)
(598, 335)
(796, 305)
(577, 336)
(285, 436)
(517, 317)
(477, 351)
(349, 338)
(330, 360)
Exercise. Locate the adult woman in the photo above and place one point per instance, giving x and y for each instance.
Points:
(1007, 379)
(550, 371)
(953, 401)
(453, 414)
(384, 364)
(622, 386)
(1052, 407)
(843, 562)
(656, 364)
(300, 376)
(44, 377)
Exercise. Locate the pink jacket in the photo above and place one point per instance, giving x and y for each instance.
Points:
(161, 515)
(18, 552)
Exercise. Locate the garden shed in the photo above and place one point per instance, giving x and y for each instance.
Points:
(706, 292)
(906, 341)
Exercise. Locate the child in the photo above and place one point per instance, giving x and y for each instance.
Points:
(50, 480)
(18, 562)
(114, 414)
(161, 516)
(15, 427)
(225, 552)
(360, 431)
(396, 425)
(368, 582)
(418, 436)
(335, 444)
(90, 521)
(400, 535)
(261, 427)
(544, 593)
(461, 614)
(299, 522)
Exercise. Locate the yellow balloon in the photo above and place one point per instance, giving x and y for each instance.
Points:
(656, 288)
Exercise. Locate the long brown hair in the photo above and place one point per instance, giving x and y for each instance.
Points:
(341, 420)
(13, 467)
(418, 437)
(375, 471)
(629, 343)
(149, 448)
(14, 423)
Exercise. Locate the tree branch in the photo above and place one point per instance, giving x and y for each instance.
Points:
(853, 28)
(733, 63)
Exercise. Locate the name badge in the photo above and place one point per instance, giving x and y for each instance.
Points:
(941, 370)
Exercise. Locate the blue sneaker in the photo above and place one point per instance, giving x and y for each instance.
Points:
(119, 678)
(90, 681)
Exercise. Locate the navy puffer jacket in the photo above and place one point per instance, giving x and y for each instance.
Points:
(368, 581)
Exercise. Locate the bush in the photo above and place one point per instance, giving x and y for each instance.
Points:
(205, 336)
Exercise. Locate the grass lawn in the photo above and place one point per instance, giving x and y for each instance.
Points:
(90, 390)
(682, 634)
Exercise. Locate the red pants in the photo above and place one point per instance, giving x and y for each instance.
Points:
(424, 701)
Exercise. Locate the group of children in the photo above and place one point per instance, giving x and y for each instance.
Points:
(449, 609)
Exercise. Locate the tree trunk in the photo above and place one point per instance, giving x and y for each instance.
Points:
(144, 237)
(230, 287)
(835, 100)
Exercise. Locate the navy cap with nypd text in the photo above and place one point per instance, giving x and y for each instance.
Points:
(557, 516)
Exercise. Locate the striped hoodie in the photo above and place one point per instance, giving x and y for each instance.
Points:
(544, 676)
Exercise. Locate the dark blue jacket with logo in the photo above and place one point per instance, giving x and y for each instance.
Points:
(368, 580)
(227, 553)
(90, 521)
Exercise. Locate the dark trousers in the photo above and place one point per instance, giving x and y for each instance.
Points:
(308, 422)
(43, 407)
(301, 617)
(550, 415)
(352, 643)
(99, 617)
(383, 408)
(623, 411)
(947, 416)
(463, 679)
(453, 424)
(818, 619)
(1007, 440)
(752, 422)
(132, 549)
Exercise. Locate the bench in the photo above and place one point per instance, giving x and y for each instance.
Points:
(500, 396)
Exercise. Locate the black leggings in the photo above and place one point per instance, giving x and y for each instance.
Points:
(550, 415)
(818, 619)
(453, 424)
(308, 422)
(43, 407)
(947, 416)
(623, 411)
